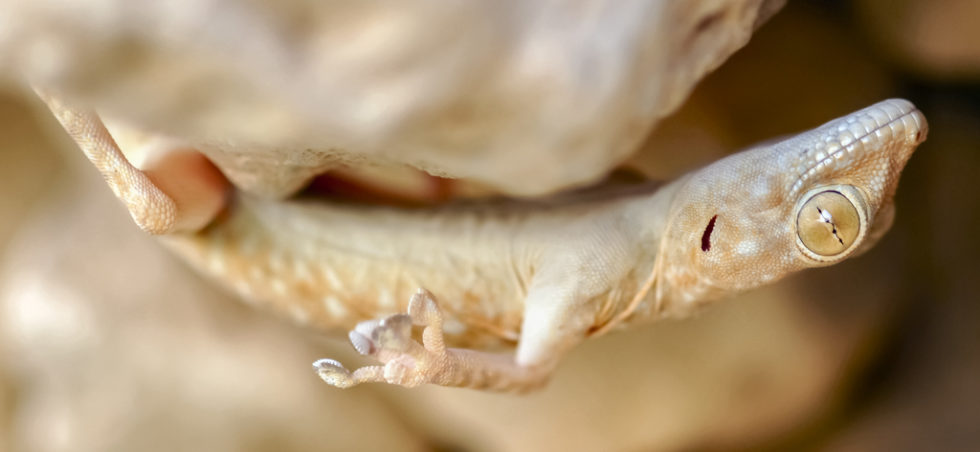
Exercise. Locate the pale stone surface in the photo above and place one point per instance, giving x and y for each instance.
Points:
(520, 96)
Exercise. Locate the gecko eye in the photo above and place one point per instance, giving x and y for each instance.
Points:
(830, 222)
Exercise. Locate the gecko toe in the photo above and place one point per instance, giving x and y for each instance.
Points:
(385, 336)
(361, 343)
(333, 373)
(393, 333)
(423, 310)
(404, 372)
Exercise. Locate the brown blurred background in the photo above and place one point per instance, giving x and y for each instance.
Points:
(109, 343)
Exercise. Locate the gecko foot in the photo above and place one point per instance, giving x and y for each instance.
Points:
(389, 340)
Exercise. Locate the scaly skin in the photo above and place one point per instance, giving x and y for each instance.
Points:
(548, 275)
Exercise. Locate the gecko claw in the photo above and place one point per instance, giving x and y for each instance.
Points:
(423, 310)
(363, 344)
(393, 333)
(333, 373)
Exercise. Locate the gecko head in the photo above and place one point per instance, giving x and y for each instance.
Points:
(810, 200)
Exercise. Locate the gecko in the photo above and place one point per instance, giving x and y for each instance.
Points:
(442, 294)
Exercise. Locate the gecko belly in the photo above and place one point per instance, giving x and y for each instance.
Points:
(331, 265)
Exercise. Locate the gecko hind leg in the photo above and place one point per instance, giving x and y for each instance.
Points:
(407, 363)
(179, 190)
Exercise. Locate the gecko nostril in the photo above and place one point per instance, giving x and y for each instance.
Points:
(706, 236)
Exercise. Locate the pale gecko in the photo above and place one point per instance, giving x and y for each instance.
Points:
(543, 274)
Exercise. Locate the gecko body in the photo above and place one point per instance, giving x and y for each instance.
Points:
(548, 275)
(331, 264)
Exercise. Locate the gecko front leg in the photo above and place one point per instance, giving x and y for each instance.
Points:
(410, 364)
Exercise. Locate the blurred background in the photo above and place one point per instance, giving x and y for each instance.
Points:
(107, 342)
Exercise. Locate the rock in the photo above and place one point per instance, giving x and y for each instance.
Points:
(525, 97)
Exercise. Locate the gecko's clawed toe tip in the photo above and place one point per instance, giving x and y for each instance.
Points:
(393, 330)
(362, 343)
(333, 373)
(366, 327)
(395, 322)
(327, 364)
(422, 308)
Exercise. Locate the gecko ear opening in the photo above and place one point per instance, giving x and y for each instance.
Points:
(831, 222)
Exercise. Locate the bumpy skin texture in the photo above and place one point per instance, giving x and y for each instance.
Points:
(549, 274)
(756, 196)
(150, 207)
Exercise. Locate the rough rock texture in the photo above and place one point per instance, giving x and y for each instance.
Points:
(520, 96)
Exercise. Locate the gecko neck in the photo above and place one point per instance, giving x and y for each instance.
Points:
(646, 291)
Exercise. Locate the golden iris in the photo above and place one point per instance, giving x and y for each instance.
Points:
(828, 223)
